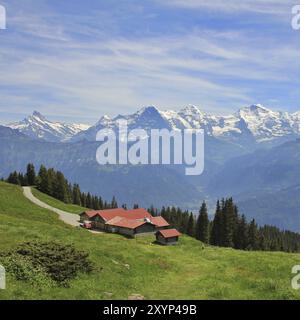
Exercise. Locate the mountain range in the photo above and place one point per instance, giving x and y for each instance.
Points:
(252, 155)
(37, 126)
(252, 124)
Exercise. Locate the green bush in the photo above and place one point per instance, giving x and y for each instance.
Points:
(53, 260)
(22, 269)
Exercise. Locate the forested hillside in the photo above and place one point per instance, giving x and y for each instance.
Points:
(228, 228)
(123, 267)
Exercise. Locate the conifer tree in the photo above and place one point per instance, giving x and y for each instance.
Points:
(83, 199)
(216, 229)
(52, 180)
(60, 188)
(22, 179)
(30, 174)
(191, 226)
(89, 201)
(114, 203)
(13, 178)
(151, 210)
(253, 240)
(43, 180)
(184, 222)
(229, 222)
(76, 194)
(202, 225)
(100, 203)
(241, 234)
(172, 216)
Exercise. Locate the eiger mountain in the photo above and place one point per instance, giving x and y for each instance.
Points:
(252, 155)
(36, 126)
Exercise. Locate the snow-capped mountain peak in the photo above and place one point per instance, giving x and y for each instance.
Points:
(104, 120)
(191, 110)
(38, 115)
(266, 124)
(257, 110)
(149, 110)
(198, 119)
(37, 126)
(147, 118)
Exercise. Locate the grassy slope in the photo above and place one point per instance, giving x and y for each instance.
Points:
(56, 203)
(182, 272)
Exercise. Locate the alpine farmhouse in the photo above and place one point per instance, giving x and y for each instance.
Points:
(130, 223)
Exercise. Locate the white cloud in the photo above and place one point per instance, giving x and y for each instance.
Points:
(62, 73)
(277, 7)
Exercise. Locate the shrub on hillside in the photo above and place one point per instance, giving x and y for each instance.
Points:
(58, 262)
(22, 269)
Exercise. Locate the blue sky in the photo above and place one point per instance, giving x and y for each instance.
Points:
(75, 60)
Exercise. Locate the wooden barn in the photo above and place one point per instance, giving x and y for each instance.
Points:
(168, 236)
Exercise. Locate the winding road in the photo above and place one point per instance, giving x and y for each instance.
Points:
(67, 217)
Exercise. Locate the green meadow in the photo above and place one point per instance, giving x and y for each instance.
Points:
(72, 208)
(138, 266)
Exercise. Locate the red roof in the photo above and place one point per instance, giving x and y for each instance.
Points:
(110, 213)
(159, 222)
(92, 213)
(127, 218)
(169, 233)
(134, 214)
(140, 213)
(125, 223)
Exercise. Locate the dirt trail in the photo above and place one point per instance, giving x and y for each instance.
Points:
(67, 217)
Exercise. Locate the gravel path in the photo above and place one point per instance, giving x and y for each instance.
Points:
(67, 217)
